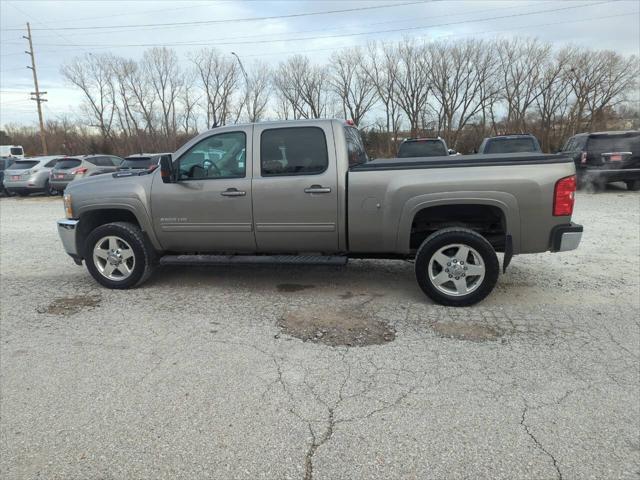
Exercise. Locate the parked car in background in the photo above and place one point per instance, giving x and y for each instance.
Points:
(72, 168)
(15, 151)
(30, 175)
(4, 164)
(604, 157)
(423, 147)
(518, 143)
(140, 161)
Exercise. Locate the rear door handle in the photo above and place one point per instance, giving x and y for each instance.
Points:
(233, 192)
(317, 189)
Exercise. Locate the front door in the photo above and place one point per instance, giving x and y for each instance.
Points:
(295, 198)
(209, 208)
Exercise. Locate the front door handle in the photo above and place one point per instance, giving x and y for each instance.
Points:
(233, 192)
(317, 189)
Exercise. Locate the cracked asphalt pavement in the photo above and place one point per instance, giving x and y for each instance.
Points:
(194, 376)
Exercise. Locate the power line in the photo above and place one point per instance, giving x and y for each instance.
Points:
(230, 20)
(341, 35)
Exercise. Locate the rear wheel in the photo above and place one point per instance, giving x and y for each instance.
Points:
(118, 256)
(49, 190)
(633, 185)
(456, 267)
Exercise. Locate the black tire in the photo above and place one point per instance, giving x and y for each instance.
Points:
(633, 185)
(144, 254)
(49, 190)
(456, 235)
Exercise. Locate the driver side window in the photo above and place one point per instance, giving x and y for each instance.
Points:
(217, 156)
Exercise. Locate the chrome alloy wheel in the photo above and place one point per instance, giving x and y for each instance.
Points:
(114, 258)
(456, 269)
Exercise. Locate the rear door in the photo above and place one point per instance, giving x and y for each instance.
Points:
(295, 197)
(209, 208)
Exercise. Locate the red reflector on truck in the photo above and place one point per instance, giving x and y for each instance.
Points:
(564, 196)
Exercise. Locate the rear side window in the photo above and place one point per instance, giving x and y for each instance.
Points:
(511, 145)
(17, 151)
(614, 143)
(422, 148)
(355, 148)
(571, 145)
(293, 151)
(23, 165)
(67, 163)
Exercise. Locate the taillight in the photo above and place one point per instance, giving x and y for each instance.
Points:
(583, 158)
(564, 196)
(81, 170)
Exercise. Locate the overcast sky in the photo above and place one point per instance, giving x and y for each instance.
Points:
(65, 29)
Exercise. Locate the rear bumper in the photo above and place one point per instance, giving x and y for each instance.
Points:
(566, 237)
(67, 229)
(610, 174)
(26, 184)
(59, 185)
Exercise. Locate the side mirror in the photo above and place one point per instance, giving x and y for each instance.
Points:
(167, 169)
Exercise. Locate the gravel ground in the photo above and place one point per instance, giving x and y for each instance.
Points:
(199, 374)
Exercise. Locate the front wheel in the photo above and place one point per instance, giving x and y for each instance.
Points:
(118, 256)
(456, 267)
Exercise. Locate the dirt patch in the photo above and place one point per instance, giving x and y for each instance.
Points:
(466, 331)
(293, 287)
(71, 305)
(343, 326)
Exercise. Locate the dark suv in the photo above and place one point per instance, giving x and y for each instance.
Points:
(605, 157)
(518, 143)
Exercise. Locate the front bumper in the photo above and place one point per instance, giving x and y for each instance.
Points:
(67, 229)
(610, 174)
(566, 237)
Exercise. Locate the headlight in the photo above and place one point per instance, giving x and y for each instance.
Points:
(68, 207)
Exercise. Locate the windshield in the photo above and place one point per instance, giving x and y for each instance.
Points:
(614, 143)
(23, 165)
(422, 148)
(511, 145)
(16, 151)
(67, 163)
(138, 162)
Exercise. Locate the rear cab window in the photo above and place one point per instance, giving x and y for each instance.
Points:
(293, 151)
(422, 148)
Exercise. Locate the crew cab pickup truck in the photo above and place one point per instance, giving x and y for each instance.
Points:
(305, 191)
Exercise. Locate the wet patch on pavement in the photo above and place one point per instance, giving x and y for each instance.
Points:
(472, 332)
(293, 287)
(336, 327)
(71, 305)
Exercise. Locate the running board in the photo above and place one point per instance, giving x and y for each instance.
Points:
(253, 260)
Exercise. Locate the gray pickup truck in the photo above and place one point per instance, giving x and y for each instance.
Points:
(306, 192)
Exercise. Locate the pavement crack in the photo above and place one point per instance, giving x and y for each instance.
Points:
(317, 443)
(538, 444)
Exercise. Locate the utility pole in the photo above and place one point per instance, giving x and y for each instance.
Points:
(37, 95)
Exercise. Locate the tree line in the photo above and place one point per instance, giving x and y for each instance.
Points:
(461, 91)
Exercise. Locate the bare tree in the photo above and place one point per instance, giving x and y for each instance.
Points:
(351, 84)
(257, 91)
(219, 79)
(522, 67)
(412, 81)
(303, 87)
(92, 75)
(462, 78)
(382, 68)
(161, 66)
